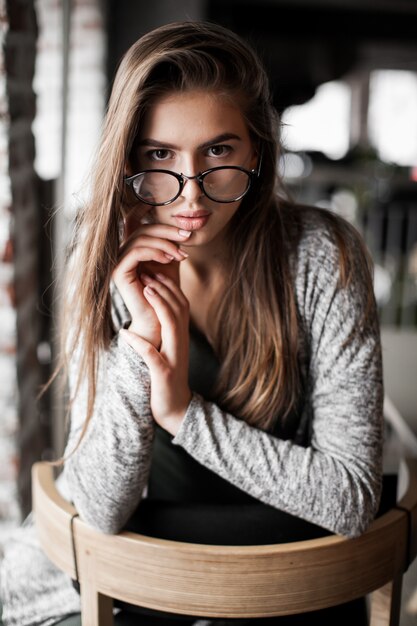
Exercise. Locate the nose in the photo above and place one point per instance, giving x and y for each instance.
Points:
(191, 190)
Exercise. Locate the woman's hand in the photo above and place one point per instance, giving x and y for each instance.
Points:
(170, 393)
(150, 249)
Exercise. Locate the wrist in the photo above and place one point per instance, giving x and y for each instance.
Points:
(173, 423)
(149, 334)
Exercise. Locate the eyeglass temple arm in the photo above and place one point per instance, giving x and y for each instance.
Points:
(261, 154)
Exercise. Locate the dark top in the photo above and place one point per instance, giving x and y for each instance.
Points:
(188, 502)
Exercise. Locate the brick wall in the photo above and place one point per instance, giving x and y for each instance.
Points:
(28, 200)
(9, 511)
(26, 436)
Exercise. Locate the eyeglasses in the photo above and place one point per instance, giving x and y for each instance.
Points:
(228, 183)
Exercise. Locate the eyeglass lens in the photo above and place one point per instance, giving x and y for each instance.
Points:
(223, 185)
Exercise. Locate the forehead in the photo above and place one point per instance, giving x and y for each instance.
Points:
(193, 117)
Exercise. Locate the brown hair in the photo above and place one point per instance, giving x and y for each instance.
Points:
(256, 329)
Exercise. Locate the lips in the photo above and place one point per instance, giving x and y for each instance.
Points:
(192, 220)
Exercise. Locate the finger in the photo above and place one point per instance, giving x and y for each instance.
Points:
(145, 349)
(144, 241)
(166, 231)
(129, 263)
(173, 324)
(173, 286)
(170, 296)
(158, 231)
(147, 241)
(171, 269)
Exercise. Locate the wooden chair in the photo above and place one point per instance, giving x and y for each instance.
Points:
(228, 581)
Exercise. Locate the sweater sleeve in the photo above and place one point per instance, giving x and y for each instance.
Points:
(335, 482)
(109, 470)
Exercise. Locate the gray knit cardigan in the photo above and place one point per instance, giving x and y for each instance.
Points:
(333, 481)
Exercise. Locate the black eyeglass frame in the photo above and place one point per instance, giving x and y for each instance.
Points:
(182, 179)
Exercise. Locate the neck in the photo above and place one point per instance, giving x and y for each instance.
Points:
(207, 261)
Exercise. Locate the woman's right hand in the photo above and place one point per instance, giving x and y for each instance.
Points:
(149, 249)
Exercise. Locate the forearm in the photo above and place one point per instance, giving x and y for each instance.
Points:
(109, 470)
(335, 491)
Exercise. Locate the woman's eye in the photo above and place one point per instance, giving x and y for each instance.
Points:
(219, 151)
(160, 154)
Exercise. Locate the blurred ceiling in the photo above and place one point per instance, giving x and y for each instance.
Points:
(308, 42)
(304, 43)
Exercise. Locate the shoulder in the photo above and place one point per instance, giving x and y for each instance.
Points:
(322, 241)
(328, 257)
(323, 236)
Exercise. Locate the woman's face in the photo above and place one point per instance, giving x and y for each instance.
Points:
(189, 133)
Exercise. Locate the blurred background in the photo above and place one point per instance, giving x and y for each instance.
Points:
(344, 78)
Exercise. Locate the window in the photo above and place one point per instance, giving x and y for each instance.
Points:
(322, 123)
(392, 115)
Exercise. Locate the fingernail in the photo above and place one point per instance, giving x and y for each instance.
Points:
(182, 253)
(145, 278)
(149, 290)
(184, 233)
(169, 256)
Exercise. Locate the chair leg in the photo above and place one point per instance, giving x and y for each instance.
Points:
(96, 609)
(386, 604)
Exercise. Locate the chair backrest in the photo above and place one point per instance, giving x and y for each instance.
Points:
(227, 581)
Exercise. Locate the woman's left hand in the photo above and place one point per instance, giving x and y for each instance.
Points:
(168, 366)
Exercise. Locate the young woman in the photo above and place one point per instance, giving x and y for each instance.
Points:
(222, 342)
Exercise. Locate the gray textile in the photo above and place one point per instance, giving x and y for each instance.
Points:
(334, 482)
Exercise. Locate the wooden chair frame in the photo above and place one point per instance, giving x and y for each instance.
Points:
(228, 581)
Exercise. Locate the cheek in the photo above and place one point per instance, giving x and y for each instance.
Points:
(150, 216)
(132, 223)
(231, 210)
(161, 215)
(141, 214)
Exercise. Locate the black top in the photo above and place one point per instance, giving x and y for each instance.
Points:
(188, 502)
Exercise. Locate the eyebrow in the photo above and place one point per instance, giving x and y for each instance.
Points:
(215, 140)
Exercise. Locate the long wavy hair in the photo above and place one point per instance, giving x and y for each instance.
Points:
(256, 329)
